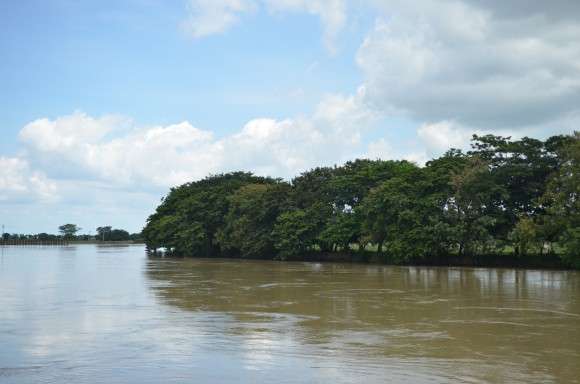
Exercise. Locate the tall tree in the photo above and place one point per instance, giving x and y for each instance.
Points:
(189, 218)
(69, 230)
(474, 207)
(103, 232)
(563, 199)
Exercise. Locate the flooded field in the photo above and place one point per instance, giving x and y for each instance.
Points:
(89, 314)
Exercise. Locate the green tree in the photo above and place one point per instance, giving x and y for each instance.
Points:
(525, 237)
(342, 230)
(68, 231)
(119, 235)
(190, 217)
(252, 214)
(505, 195)
(399, 216)
(473, 208)
(563, 200)
(522, 167)
(297, 232)
(103, 232)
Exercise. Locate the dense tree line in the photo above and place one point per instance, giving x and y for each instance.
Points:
(516, 199)
(69, 232)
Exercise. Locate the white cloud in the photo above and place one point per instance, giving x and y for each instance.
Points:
(19, 183)
(456, 61)
(379, 149)
(70, 131)
(170, 155)
(441, 136)
(159, 155)
(453, 67)
(209, 17)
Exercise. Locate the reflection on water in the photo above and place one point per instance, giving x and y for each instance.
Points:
(89, 314)
(484, 325)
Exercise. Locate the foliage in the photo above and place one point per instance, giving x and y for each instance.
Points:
(69, 230)
(504, 196)
(525, 236)
(251, 217)
(563, 201)
(474, 207)
(297, 232)
(72, 229)
(103, 232)
(107, 233)
(191, 216)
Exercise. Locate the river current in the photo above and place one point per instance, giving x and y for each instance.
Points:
(111, 314)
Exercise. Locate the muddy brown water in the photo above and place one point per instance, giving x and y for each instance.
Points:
(89, 314)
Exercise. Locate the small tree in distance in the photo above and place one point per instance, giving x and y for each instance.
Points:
(69, 230)
(108, 233)
(103, 232)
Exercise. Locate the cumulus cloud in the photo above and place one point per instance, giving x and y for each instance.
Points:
(453, 60)
(209, 17)
(66, 131)
(441, 136)
(160, 155)
(19, 183)
(557, 9)
(454, 67)
(169, 155)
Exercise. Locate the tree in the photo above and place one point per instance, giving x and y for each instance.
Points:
(473, 208)
(119, 235)
(343, 229)
(504, 196)
(190, 217)
(252, 214)
(398, 215)
(563, 201)
(297, 231)
(353, 181)
(69, 230)
(525, 236)
(103, 232)
(522, 167)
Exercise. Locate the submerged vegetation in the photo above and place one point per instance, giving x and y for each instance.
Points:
(507, 202)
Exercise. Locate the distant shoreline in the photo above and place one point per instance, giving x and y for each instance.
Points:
(69, 242)
(97, 242)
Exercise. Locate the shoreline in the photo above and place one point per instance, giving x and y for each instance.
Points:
(18, 243)
(496, 261)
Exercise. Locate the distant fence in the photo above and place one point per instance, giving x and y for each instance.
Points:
(34, 243)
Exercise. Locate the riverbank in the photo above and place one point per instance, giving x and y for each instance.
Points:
(550, 261)
(65, 242)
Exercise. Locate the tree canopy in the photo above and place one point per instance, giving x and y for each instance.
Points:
(68, 230)
(516, 199)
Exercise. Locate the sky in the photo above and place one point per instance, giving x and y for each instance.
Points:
(106, 105)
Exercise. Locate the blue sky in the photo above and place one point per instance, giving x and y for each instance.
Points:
(105, 105)
(133, 58)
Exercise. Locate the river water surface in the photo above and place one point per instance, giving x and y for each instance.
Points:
(88, 314)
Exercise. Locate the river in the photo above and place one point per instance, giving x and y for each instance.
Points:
(90, 314)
